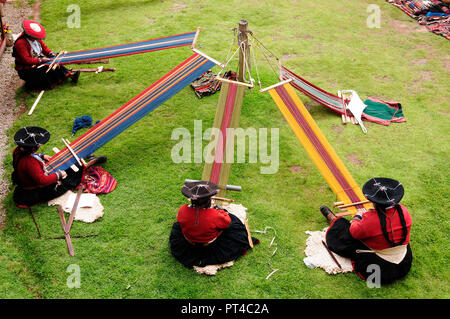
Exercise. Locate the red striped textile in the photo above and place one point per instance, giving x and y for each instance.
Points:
(97, 180)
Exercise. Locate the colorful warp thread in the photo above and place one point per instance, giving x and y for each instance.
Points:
(127, 49)
(156, 94)
(322, 97)
(318, 148)
(227, 116)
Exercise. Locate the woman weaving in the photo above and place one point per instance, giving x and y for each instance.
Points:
(205, 235)
(377, 237)
(33, 185)
(30, 53)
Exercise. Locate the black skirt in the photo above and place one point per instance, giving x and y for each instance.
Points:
(230, 244)
(37, 79)
(340, 241)
(31, 197)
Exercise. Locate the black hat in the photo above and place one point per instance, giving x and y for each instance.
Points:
(199, 190)
(383, 191)
(31, 136)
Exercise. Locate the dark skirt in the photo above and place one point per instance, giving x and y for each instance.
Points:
(340, 241)
(37, 79)
(30, 197)
(231, 244)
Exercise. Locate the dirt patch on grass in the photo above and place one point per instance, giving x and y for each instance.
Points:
(178, 6)
(288, 56)
(296, 169)
(36, 11)
(447, 65)
(337, 129)
(426, 76)
(406, 28)
(353, 158)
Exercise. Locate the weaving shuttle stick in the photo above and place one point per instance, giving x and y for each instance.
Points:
(36, 102)
(227, 187)
(223, 199)
(352, 204)
(72, 151)
(52, 64)
(96, 70)
(317, 146)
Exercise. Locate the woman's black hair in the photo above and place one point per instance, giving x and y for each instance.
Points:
(381, 210)
(201, 203)
(18, 154)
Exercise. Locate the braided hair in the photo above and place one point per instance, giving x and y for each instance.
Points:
(381, 211)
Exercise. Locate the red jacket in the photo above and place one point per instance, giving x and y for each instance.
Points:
(22, 53)
(31, 174)
(368, 229)
(209, 225)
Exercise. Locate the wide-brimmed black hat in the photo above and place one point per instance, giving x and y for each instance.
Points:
(384, 191)
(31, 136)
(199, 190)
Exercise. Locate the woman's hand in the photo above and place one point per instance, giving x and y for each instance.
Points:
(63, 174)
(43, 60)
(46, 157)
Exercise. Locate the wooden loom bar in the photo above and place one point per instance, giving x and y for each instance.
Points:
(234, 82)
(275, 85)
(195, 38)
(353, 204)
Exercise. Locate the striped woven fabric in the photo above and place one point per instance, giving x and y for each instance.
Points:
(383, 112)
(227, 116)
(127, 49)
(156, 94)
(317, 146)
(96, 180)
(328, 100)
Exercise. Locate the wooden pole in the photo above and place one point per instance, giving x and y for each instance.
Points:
(244, 51)
(36, 102)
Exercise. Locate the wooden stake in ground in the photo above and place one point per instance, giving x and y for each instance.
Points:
(244, 52)
(67, 226)
(36, 102)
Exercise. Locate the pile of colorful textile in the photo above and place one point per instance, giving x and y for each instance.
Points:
(383, 112)
(433, 14)
(207, 84)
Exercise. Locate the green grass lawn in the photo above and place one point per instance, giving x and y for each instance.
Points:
(326, 42)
